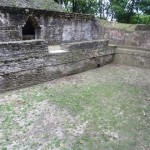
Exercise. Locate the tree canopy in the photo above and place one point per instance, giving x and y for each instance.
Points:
(125, 11)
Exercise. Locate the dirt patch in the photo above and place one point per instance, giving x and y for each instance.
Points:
(105, 108)
(43, 125)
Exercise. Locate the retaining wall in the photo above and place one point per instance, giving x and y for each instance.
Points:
(139, 37)
(132, 56)
(27, 63)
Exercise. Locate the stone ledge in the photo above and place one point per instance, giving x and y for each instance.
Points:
(132, 48)
(133, 52)
(86, 45)
(26, 78)
(38, 42)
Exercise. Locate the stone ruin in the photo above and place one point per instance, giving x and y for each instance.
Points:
(55, 27)
(38, 45)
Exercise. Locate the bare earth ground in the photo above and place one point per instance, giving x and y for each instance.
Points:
(103, 109)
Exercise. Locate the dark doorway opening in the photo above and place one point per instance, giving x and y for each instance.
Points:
(98, 65)
(30, 29)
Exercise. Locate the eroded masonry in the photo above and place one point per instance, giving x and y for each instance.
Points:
(41, 45)
(54, 27)
(27, 52)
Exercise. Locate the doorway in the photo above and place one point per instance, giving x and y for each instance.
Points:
(30, 29)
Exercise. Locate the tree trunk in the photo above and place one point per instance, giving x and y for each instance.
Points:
(100, 8)
(74, 6)
(131, 8)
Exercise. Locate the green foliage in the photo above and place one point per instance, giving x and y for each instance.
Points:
(140, 19)
(144, 6)
(88, 6)
(82, 6)
(124, 11)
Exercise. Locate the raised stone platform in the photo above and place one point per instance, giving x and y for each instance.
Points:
(26, 63)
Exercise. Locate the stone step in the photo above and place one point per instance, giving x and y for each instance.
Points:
(133, 52)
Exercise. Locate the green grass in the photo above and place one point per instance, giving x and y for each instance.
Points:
(114, 113)
(106, 111)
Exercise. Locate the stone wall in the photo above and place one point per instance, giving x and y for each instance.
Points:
(55, 27)
(133, 57)
(140, 37)
(26, 63)
(18, 56)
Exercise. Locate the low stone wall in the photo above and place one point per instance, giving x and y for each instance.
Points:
(28, 62)
(21, 55)
(7, 33)
(140, 37)
(133, 57)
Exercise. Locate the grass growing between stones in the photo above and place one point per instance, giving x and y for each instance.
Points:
(103, 109)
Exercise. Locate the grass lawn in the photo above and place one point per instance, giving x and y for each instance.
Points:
(103, 109)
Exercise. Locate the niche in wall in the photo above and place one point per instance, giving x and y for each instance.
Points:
(31, 30)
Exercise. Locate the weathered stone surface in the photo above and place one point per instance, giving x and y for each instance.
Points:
(58, 58)
(37, 4)
(22, 55)
(143, 27)
(1, 81)
(37, 65)
(137, 58)
(13, 50)
(79, 31)
(140, 37)
(86, 50)
(54, 27)
(88, 45)
(39, 75)
(131, 47)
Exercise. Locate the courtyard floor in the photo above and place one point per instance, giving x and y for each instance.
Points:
(103, 109)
